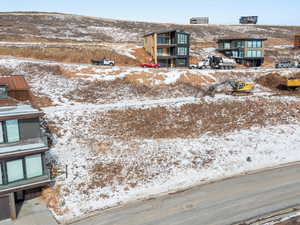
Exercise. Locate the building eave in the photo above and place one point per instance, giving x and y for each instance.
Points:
(23, 153)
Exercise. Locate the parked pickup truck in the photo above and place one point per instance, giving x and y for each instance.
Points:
(103, 62)
(287, 64)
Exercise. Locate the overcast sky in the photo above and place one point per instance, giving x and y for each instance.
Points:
(177, 11)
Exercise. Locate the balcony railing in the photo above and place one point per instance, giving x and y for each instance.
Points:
(23, 145)
(23, 184)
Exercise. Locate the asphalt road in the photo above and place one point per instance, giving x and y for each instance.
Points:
(220, 203)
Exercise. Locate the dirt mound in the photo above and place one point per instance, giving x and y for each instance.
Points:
(142, 55)
(277, 84)
(124, 89)
(273, 81)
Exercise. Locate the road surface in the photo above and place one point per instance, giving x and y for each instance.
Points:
(220, 203)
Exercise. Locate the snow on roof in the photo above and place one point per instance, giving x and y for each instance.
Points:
(18, 110)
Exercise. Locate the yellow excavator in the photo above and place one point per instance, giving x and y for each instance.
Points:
(238, 88)
(293, 83)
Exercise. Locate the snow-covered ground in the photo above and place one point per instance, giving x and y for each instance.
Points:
(106, 170)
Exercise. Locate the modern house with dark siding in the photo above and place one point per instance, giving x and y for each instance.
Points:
(169, 48)
(247, 51)
(22, 156)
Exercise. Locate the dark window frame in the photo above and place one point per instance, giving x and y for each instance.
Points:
(5, 95)
(4, 131)
(4, 168)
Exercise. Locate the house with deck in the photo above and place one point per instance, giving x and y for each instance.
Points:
(22, 152)
(168, 48)
(247, 51)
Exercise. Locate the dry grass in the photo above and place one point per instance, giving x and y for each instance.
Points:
(51, 197)
(133, 88)
(195, 80)
(142, 55)
(72, 54)
(147, 79)
(192, 120)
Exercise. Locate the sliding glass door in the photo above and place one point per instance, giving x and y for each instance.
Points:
(12, 129)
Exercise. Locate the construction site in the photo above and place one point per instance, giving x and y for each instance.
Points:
(130, 132)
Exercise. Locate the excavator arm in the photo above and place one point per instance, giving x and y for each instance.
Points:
(211, 90)
(236, 86)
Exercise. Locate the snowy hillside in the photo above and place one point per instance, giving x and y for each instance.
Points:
(62, 27)
(129, 133)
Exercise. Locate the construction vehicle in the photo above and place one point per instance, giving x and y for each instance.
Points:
(214, 62)
(237, 88)
(248, 20)
(103, 62)
(293, 83)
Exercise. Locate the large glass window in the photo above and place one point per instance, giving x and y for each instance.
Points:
(182, 51)
(235, 54)
(12, 129)
(182, 39)
(249, 44)
(3, 92)
(241, 53)
(181, 62)
(15, 170)
(34, 166)
(258, 53)
(163, 40)
(1, 174)
(254, 53)
(259, 44)
(1, 133)
(159, 51)
(226, 45)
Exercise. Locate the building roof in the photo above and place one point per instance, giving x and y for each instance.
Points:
(241, 38)
(164, 31)
(14, 82)
(17, 111)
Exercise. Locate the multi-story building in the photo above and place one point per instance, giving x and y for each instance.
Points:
(199, 20)
(22, 155)
(246, 51)
(297, 41)
(168, 48)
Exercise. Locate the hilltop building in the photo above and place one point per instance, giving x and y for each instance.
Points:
(199, 20)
